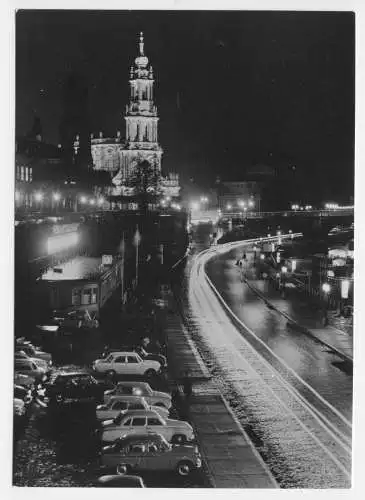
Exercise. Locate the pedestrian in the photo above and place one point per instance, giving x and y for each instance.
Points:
(188, 385)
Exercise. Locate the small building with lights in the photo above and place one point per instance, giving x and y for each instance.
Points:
(81, 283)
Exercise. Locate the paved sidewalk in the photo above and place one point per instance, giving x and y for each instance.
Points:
(230, 457)
(302, 317)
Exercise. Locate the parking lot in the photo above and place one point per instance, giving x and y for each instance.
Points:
(61, 448)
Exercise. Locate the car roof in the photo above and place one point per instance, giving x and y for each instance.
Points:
(71, 373)
(123, 353)
(136, 383)
(120, 480)
(142, 413)
(141, 438)
(127, 397)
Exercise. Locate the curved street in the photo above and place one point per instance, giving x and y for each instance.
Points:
(288, 391)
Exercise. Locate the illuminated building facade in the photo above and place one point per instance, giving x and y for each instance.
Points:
(121, 157)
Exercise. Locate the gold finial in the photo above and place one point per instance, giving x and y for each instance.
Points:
(141, 44)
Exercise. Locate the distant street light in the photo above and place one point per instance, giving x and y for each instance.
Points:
(83, 199)
(38, 196)
(262, 256)
(326, 287)
(284, 269)
(56, 196)
(194, 205)
(251, 203)
(92, 201)
(229, 206)
(245, 209)
(293, 265)
(101, 201)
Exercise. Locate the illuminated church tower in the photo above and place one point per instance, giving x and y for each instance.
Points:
(141, 140)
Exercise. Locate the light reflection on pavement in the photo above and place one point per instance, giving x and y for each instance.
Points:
(305, 440)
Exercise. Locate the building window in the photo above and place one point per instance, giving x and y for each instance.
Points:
(30, 174)
(86, 296)
(76, 296)
(22, 169)
(94, 295)
(26, 174)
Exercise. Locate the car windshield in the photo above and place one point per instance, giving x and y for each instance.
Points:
(19, 392)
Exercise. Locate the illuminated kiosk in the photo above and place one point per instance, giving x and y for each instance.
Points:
(79, 283)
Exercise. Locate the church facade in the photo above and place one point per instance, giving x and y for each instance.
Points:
(120, 157)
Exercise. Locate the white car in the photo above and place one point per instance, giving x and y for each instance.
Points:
(118, 404)
(142, 421)
(126, 363)
(139, 388)
(39, 362)
(19, 407)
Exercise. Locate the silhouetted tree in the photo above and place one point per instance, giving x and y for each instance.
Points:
(146, 183)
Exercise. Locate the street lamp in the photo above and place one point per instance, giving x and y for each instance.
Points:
(38, 196)
(83, 199)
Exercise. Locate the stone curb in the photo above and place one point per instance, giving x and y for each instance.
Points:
(297, 325)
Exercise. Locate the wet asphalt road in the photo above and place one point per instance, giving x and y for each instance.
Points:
(292, 396)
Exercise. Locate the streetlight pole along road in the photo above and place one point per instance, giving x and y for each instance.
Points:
(306, 438)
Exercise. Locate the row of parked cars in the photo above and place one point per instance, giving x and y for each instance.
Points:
(31, 368)
(132, 421)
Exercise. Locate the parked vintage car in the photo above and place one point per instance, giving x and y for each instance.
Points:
(33, 352)
(28, 367)
(19, 407)
(151, 452)
(136, 388)
(74, 386)
(118, 404)
(39, 362)
(25, 380)
(24, 394)
(126, 363)
(143, 421)
(160, 358)
(119, 481)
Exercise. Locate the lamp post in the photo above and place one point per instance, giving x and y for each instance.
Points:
(345, 285)
(326, 290)
(284, 270)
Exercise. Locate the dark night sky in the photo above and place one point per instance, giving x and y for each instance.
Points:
(233, 88)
